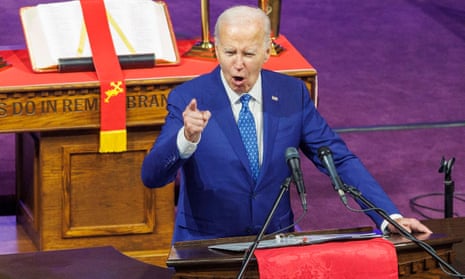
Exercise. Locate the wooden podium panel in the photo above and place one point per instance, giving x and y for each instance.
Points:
(72, 196)
(69, 194)
(447, 240)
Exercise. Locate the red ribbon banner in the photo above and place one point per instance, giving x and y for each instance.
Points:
(113, 136)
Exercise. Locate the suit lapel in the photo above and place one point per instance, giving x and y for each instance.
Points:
(270, 100)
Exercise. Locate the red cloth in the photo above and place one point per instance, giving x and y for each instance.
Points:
(21, 75)
(374, 258)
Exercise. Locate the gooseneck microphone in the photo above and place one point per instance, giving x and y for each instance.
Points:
(293, 161)
(326, 157)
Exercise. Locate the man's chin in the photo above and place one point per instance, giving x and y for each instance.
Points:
(238, 86)
(239, 89)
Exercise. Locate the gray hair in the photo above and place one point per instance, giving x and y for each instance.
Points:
(244, 14)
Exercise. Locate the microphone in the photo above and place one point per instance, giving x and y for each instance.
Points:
(326, 157)
(293, 161)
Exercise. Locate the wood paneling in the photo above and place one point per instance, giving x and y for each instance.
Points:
(72, 196)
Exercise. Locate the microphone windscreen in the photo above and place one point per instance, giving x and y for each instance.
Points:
(323, 151)
(291, 153)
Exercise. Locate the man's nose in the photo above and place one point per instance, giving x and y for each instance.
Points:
(239, 62)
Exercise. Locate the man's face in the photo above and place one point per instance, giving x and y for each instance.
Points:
(241, 53)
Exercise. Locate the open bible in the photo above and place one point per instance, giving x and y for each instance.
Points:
(56, 32)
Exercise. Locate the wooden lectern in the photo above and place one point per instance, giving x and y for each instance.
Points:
(193, 259)
(69, 194)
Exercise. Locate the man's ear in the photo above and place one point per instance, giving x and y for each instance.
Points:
(267, 53)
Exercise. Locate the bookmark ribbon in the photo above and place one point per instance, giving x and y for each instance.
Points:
(113, 135)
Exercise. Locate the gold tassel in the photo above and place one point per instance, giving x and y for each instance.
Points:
(113, 141)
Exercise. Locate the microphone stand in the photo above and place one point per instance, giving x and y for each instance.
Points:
(449, 187)
(356, 194)
(251, 250)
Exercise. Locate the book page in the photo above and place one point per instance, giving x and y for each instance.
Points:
(62, 24)
(144, 25)
(136, 26)
(37, 46)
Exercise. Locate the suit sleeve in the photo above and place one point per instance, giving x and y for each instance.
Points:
(162, 162)
(317, 133)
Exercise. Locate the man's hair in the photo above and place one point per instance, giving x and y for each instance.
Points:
(244, 14)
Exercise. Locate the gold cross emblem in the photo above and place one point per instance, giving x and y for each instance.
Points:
(114, 91)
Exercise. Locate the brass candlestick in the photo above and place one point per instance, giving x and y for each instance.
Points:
(204, 48)
(272, 8)
(3, 64)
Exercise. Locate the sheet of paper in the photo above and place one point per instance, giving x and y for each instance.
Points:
(293, 241)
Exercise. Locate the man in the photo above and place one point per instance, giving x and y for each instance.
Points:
(222, 192)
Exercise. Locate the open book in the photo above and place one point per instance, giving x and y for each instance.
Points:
(56, 31)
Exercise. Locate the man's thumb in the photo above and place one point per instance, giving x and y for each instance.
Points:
(192, 105)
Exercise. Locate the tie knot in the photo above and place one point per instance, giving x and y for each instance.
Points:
(245, 99)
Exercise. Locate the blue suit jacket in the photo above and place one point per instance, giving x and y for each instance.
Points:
(218, 197)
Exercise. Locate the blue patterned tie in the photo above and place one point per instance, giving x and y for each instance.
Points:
(248, 132)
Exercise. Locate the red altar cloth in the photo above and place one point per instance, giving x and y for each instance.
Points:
(361, 259)
(21, 74)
